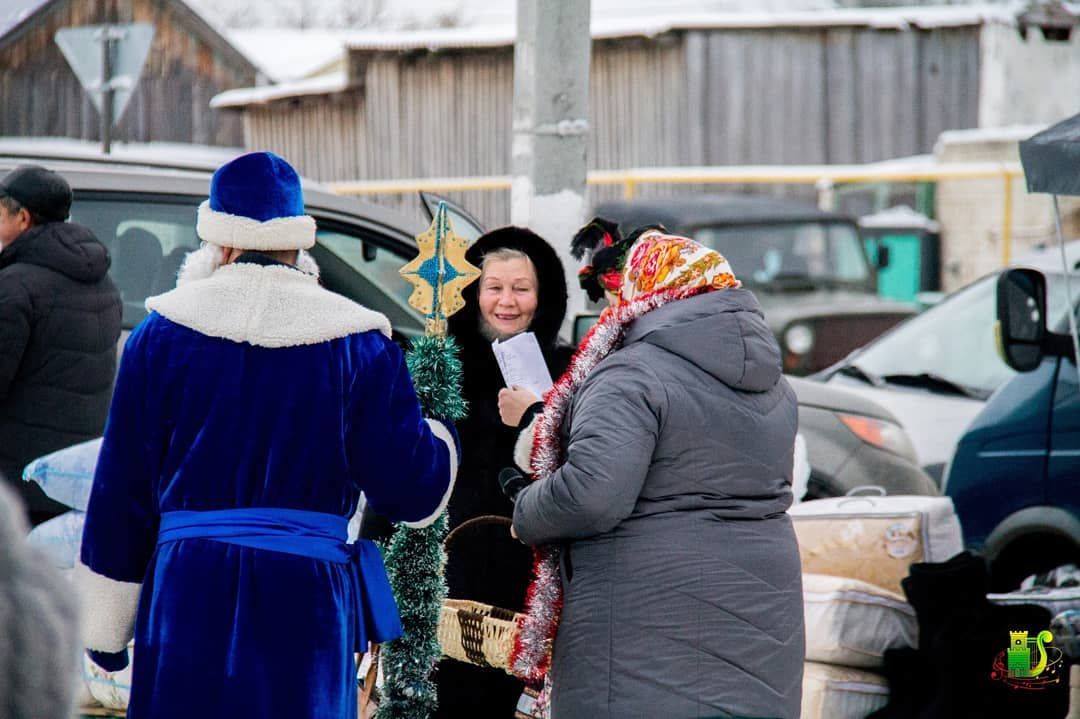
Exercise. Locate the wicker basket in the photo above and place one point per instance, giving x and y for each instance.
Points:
(475, 632)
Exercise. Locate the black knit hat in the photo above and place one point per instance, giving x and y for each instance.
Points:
(43, 192)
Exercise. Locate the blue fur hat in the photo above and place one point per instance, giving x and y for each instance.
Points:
(256, 203)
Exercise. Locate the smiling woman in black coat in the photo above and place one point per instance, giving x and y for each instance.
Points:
(485, 564)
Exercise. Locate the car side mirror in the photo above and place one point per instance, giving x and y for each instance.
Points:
(582, 325)
(882, 256)
(1021, 318)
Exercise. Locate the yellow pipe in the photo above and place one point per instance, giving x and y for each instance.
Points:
(434, 184)
(1006, 222)
(800, 175)
(629, 179)
(811, 174)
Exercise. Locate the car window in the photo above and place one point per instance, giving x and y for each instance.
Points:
(1057, 300)
(762, 254)
(953, 340)
(147, 242)
(148, 238)
(372, 276)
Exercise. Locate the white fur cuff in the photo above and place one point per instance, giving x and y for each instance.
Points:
(440, 431)
(524, 445)
(108, 609)
(244, 233)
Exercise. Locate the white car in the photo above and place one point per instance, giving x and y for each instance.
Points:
(935, 371)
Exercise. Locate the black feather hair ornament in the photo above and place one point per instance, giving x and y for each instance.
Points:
(608, 249)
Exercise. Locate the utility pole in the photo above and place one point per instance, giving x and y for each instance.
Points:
(106, 38)
(551, 127)
(106, 89)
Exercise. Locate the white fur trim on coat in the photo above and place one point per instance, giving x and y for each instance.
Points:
(440, 431)
(108, 609)
(265, 305)
(523, 447)
(244, 233)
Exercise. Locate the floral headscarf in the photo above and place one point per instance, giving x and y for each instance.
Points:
(660, 262)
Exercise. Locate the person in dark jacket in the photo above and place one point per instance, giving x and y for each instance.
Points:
(59, 327)
(522, 287)
(662, 467)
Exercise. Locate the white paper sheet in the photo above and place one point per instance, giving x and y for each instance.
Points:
(522, 364)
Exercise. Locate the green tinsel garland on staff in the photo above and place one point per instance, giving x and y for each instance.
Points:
(415, 558)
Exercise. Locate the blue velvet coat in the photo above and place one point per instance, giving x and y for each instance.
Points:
(254, 388)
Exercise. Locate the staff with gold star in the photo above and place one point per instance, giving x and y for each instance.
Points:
(439, 273)
(415, 558)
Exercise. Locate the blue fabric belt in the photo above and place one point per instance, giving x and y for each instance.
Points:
(317, 535)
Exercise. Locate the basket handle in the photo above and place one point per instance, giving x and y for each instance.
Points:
(475, 522)
(864, 490)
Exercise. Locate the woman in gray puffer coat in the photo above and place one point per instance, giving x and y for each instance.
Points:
(662, 464)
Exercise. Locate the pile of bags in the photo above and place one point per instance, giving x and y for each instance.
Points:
(899, 623)
(855, 551)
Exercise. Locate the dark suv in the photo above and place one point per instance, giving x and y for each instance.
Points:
(807, 267)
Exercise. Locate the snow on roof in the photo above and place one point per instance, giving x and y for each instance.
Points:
(653, 25)
(899, 217)
(1010, 133)
(13, 12)
(476, 36)
(286, 55)
(319, 85)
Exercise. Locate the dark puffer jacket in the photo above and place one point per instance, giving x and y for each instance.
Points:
(486, 564)
(59, 327)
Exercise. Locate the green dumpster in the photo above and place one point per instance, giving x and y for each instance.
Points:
(912, 252)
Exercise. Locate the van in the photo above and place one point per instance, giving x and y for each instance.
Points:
(1015, 476)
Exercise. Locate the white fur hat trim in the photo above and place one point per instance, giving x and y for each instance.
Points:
(244, 233)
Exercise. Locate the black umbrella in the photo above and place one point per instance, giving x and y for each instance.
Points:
(1051, 159)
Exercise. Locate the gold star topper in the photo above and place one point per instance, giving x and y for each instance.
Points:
(439, 273)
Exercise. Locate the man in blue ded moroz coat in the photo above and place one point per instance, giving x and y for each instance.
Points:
(252, 408)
